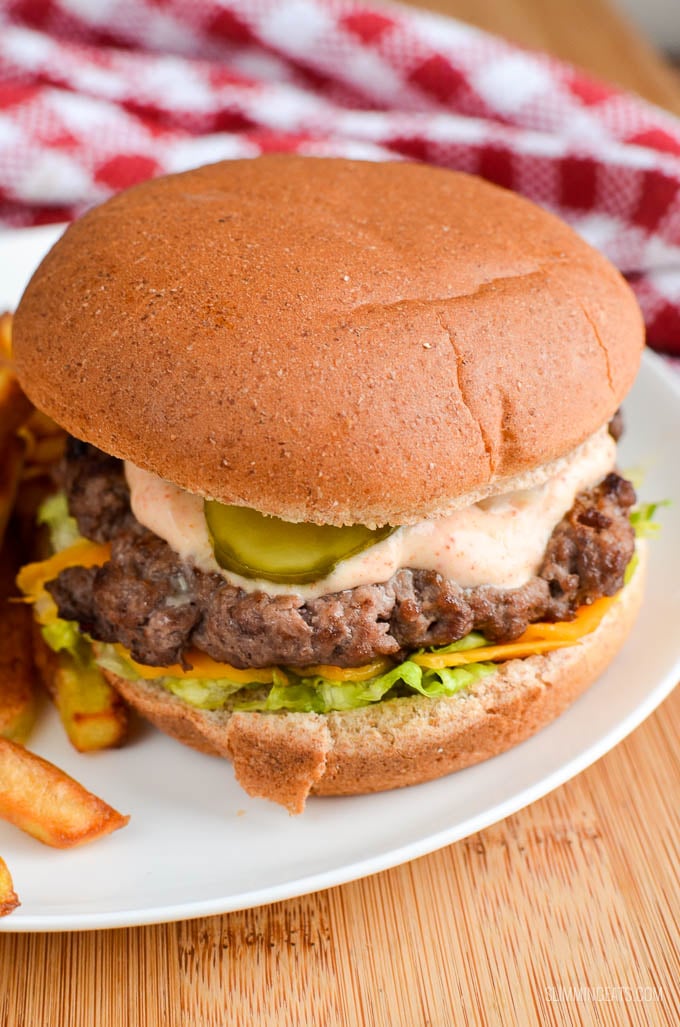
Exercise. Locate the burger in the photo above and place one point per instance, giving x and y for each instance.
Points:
(340, 500)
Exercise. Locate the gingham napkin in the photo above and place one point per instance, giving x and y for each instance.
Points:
(98, 94)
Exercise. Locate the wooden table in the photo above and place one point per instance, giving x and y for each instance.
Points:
(579, 890)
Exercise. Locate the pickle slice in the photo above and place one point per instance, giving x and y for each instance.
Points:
(257, 546)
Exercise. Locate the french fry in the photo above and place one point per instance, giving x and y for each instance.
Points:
(34, 794)
(42, 451)
(32, 492)
(9, 899)
(14, 404)
(43, 427)
(48, 804)
(6, 335)
(17, 671)
(93, 714)
(11, 463)
(47, 450)
(18, 704)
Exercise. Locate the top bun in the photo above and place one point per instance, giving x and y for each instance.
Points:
(327, 340)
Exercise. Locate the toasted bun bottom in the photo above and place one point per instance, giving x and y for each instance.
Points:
(287, 756)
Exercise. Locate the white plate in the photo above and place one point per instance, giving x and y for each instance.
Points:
(197, 845)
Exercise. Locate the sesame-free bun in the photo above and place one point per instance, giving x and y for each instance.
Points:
(288, 756)
(327, 340)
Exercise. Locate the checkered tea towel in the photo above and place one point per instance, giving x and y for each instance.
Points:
(98, 94)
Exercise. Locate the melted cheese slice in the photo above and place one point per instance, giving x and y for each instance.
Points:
(541, 637)
(33, 577)
(201, 667)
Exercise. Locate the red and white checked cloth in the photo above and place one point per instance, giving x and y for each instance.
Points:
(98, 94)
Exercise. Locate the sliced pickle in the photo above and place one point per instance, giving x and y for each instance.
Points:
(257, 546)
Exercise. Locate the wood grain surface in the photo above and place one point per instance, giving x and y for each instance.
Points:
(566, 913)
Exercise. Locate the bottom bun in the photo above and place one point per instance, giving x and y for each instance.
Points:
(288, 756)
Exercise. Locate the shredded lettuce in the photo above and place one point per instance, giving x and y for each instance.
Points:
(207, 695)
(290, 692)
(319, 695)
(66, 636)
(644, 526)
(473, 640)
(109, 659)
(62, 527)
(642, 518)
(59, 634)
(306, 695)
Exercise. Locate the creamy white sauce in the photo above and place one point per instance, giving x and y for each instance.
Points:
(497, 541)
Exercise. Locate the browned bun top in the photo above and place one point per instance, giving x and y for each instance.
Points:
(327, 340)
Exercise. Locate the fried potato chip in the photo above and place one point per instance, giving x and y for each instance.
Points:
(48, 804)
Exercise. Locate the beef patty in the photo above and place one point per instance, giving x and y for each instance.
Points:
(160, 607)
